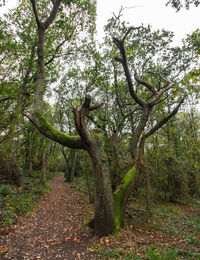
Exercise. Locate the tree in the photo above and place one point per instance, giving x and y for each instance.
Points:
(2, 2)
(178, 4)
(158, 71)
(104, 218)
(18, 57)
(92, 141)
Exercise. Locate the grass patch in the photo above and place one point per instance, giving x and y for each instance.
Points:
(151, 253)
(114, 253)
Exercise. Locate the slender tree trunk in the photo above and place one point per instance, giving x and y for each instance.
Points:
(30, 167)
(66, 163)
(30, 162)
(44, 162)
(147, 193)
(72, 163)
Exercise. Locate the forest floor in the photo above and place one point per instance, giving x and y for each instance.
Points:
(56, 230)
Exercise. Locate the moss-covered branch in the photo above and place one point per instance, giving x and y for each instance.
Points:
(49, 131)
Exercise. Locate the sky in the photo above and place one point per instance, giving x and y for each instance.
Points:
(153, 12)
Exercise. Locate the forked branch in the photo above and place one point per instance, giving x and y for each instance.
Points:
(79, 117)
(158, 126)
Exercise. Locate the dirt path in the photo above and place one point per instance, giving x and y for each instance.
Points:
(54, 231)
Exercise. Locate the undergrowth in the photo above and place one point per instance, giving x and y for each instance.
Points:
(172, 233)
(17, 202)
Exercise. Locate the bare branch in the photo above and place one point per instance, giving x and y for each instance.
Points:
(95, 106)
(35, 13)
(144, 83)
(117, 17)
(157, 127)
(123, 61)
(52, 16)
(86, 104)
(87, 107)
(129, 30)
(160, 75)
(164, 120)
(79, 118)
(160, 93)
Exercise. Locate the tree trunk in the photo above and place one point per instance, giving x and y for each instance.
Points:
(70, 162)
(121, 195)
(104, 214)
(30, 157)
(44, 162)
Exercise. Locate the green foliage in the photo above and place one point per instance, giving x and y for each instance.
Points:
(84, 179)
(178, 4)
(9, 169)
(173, 155)
(153, 253)
(114, 253)
(17, 202)
(168, 254)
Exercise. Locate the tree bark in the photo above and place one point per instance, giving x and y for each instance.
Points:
(44, 162)
(104, 214)
(30, 157)
(70, 162)
(121, 195)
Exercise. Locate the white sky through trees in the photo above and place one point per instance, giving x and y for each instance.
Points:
(136, 12)
(153, 12)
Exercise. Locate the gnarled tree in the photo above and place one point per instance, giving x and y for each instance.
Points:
(109, 208)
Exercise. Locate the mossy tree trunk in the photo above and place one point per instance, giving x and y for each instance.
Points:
(121, 195)
(138, 136)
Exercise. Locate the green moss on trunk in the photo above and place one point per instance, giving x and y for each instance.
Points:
(119, 196)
